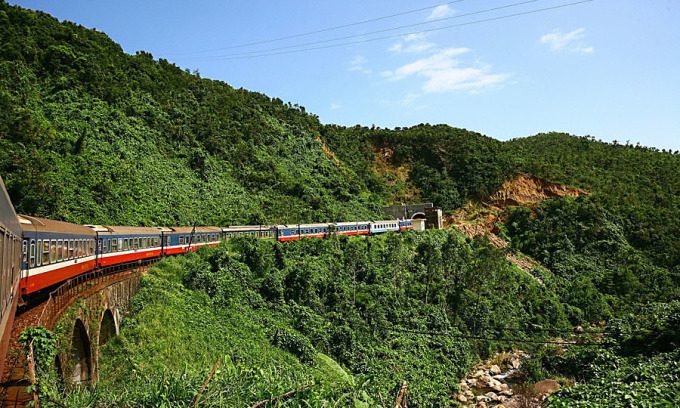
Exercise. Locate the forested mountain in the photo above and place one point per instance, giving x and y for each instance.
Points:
(90, 134)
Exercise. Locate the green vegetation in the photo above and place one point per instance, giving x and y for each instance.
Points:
(338, 314)
(89, 134)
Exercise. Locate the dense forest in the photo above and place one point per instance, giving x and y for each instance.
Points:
(90, 134)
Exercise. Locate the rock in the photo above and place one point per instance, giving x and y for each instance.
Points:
(478, 373)
(497, 387)
(486, 379)
(469, 395)
(507, 393)
(463, 387)
(515, 363)
(481, 398)
(472, 382)
(495, 370)
(491, 396)
(493, 382)
(481, 404)
(546, 387)
(462, 398)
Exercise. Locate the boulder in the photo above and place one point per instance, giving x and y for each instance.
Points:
(491, 396)
(486, 379)
(495, 370)
(481, 404)
(480, 398)
(478, 373)
(463, 387)
(507, 393)
(472, 382)
(493, 382)
(462, 398)
(546, 387)
(515, 363)
(469, 395)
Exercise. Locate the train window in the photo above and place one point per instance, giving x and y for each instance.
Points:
(114, 245)
(31, 250)
(46, 252)
(181, 239)
(91, 247)
(136, 243)
(24, 251)
(64, 249)
(53, 251)
(60, 250)
(125, 244)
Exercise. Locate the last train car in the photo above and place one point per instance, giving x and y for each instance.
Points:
(54, 251)
(10, 272)
(405, 225)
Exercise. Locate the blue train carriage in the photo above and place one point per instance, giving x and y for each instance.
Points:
(258, 231)
(54, 251)
(10, 269)
(185, 239)
(380, 227)
(121, 244)
(352, 228)
(299, 231)
(405, 225)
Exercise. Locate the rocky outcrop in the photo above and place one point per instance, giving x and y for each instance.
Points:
(499, 383)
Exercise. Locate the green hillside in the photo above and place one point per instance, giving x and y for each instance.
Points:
(90, 134)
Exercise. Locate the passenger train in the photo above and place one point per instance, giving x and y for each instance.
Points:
(36, 254)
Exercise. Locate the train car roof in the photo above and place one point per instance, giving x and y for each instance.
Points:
(351, 222)
(189, 230)
(247, 228)
(33, 224)
(304, 225)
(124, 230)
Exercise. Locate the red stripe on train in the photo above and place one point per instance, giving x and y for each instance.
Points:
(46, 279)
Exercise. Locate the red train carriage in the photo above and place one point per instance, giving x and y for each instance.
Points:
(54, 251)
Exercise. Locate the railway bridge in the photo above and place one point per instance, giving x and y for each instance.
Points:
(84, 313)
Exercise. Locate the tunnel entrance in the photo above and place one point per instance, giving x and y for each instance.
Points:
(107, 328)
(81, 355)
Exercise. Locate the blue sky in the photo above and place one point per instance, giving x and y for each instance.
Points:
(610, 69)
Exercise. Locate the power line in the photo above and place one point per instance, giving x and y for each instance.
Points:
(323, 30)
(500, 339)
(385, 30)
(236, 56)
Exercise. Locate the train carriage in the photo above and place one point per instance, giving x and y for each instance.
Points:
(405, 225)
(258, 231)
(10, 268)
(185, 239)
(379, 227)
(299, 231)
(352, 228)
(54, 251)
(119, 244)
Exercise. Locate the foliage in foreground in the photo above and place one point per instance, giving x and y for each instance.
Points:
(337, 313)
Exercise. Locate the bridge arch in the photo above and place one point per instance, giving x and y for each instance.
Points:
(107, 327)
(418, 216)
(81, 355)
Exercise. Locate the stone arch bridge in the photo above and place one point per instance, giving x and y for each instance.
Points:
(84, 313)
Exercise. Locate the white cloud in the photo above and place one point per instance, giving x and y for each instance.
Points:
(358, 64)
(412, 43)
(336, 106)
(571, 41)
(440, 12)
(444, 72)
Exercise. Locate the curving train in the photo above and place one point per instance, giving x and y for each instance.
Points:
(54, 251)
